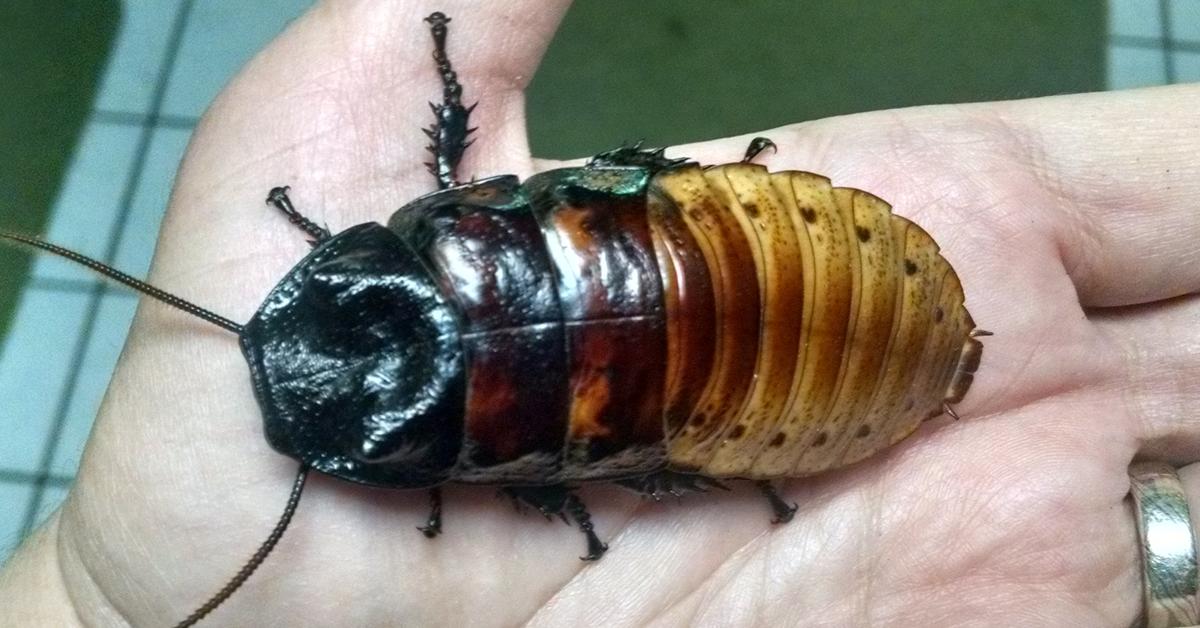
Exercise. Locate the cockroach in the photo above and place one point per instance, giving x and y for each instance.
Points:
(640, 319)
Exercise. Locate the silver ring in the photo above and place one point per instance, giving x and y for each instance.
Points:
(1169, 578)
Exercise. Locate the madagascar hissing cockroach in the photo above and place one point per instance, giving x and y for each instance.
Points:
(641, 320)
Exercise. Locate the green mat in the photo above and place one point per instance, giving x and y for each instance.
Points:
(674, 71)
(51, 56)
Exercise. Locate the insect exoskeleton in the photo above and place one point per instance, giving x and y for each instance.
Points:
(640, 319)
(602, 322)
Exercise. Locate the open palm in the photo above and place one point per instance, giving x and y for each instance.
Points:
(1069, 220)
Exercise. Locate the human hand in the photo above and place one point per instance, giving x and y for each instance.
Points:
(1068, 220)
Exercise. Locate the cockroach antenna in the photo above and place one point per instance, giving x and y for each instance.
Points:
(120, 277)
(195, 310)
(257, 559)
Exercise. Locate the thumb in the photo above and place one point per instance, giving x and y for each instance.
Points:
(334, 107)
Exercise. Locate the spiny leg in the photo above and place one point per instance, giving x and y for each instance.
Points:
(433, 525)
(559, 500)
(635, 156)
(279, 198)
(583, 519)
(783, 511)
(448, 135)
(657, 485)
(758, 145)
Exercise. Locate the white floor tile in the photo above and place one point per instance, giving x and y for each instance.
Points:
(108, 337)
(1135, 67)
(1134, 18)
(1185, 20)
(33, 370)
(89, 199)
(150, 200)
(14, 498)
(137, 55)
(1187, 67)
(221, 36)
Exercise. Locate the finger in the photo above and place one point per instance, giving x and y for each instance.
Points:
(335, 108)
(1126, 172)
(1189, 477)
(1159, 386)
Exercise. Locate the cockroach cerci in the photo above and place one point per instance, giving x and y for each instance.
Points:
(640, 320)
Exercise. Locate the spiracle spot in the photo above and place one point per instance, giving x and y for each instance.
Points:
(863, 431)
(737, 432)
(810, 214)
(864, 234)
(821, 438)
(751, 208)
(779, 439)
(938, 314)
(910, 267)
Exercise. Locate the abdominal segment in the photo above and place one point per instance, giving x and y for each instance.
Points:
(726, 321)
(837, 328)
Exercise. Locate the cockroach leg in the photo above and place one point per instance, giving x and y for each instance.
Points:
(657, 485)
(433, 525)
(757, 146)
(279, 198)
(783, 511)
(979, 333)
(950, 410)
(635, 156)
(550, 500)
(557, 499)
(579, 513)
(448, 135)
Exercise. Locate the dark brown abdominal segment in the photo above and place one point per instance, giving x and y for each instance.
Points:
(596, 232)
(690, 310)
(731, 267)
(514, 426)
(616, 398)
(484, 247)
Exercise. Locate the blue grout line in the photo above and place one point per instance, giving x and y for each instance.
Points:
(12, 476)
(1152, 43)
(114, 243)
(77, 286)
(130, 118)
(57, 284)
(1168, 42)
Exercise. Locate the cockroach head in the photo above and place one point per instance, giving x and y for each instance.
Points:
(357, 363)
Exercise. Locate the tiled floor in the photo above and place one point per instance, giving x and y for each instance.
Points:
(171, 58)
(1153, 42)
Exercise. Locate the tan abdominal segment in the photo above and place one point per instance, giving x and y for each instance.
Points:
(837, 327)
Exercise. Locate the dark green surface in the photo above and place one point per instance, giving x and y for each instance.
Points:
(685, 70)
(51, 56)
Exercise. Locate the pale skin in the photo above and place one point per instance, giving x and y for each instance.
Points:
(1071, 221)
